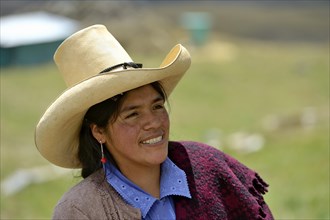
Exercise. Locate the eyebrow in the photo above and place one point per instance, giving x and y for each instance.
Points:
(133, 107)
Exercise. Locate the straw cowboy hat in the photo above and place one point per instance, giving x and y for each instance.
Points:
(95, 67)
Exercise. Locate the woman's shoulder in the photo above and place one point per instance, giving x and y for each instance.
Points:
(86, 186)
(75, 203)
(211, 170)
(193, 149)
(94, 198)
(194, 145)
(200, 156)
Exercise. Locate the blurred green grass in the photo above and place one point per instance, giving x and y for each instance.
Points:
(232, 86)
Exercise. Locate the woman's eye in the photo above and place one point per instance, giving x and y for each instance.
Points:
(131, 115)
(159, 106)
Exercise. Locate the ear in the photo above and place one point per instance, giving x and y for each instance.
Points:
(98, 133)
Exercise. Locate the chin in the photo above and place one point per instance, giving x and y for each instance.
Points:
(159, 157)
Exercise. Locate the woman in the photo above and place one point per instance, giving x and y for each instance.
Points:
(112, 123)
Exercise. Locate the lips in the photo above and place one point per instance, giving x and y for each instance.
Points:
(153, 140)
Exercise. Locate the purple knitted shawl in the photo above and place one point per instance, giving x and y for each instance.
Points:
(220, 186)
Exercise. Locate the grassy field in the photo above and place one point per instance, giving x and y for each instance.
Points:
(232, 86)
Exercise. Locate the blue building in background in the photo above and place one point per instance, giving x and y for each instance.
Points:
(32, 38)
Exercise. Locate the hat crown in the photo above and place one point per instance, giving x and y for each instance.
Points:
(88, 52)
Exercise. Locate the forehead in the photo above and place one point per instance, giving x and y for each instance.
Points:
(142, 94)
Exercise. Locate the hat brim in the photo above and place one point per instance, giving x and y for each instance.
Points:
(57, 133)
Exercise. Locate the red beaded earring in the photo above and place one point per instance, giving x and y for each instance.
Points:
(103, 159)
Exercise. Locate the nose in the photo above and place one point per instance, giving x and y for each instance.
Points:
(152, 121)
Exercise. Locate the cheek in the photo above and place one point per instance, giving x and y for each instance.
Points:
(166, 120)
(122, 133)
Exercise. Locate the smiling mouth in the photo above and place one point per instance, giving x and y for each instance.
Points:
(153, 140)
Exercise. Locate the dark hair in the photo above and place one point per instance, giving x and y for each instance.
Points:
(89, 152)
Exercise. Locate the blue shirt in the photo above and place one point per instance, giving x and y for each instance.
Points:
(173, 181)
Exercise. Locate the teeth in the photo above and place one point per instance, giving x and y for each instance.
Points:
(153, 140)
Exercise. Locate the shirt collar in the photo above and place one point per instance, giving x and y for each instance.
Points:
(173, 182)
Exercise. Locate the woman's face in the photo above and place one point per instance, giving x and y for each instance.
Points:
(139, 135)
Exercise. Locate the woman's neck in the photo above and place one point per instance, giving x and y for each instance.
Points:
(147, 178)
